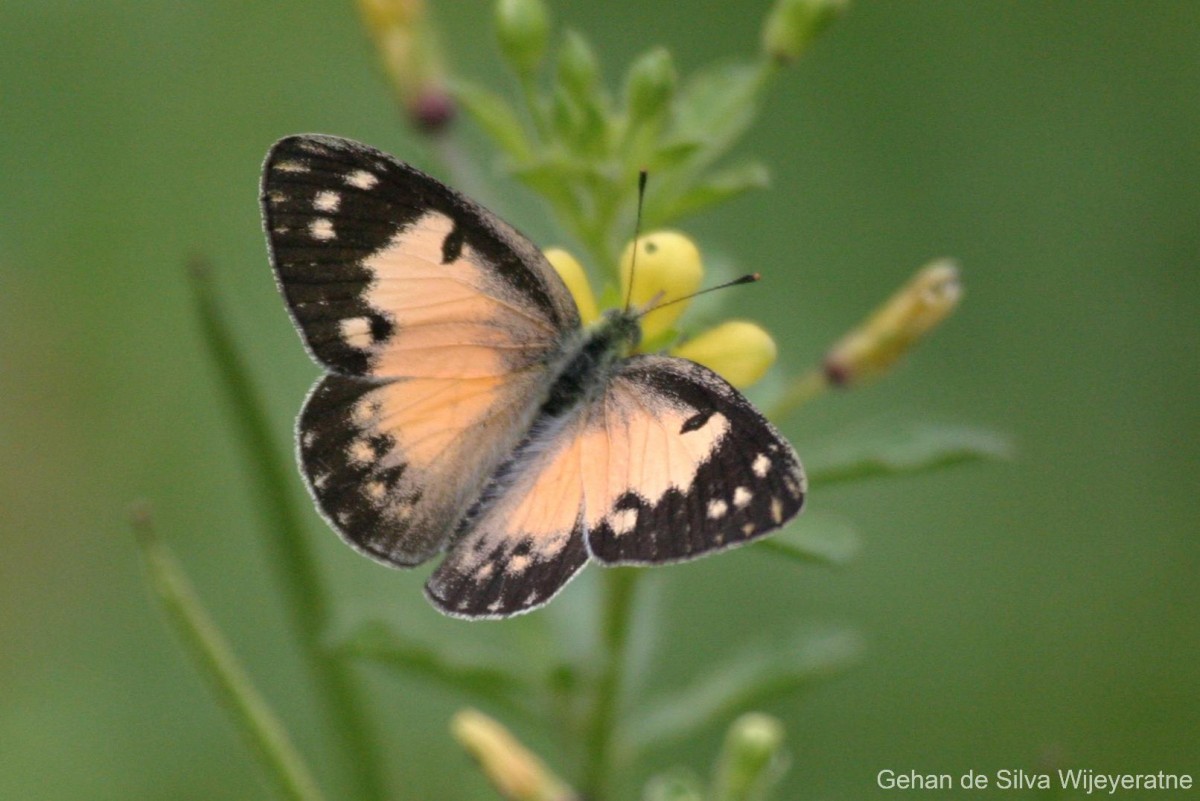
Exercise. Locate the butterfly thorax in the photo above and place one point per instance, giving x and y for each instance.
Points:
(588, 364)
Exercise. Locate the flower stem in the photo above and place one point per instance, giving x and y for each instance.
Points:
(290, 551)
(807, 387)
(619, 587)
(258, 723)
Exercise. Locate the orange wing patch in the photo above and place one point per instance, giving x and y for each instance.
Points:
(445, 316)
(679, 464)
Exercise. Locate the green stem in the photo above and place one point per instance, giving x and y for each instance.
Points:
(290, 551)
(619, 585)
(806, 388)
(258, 723)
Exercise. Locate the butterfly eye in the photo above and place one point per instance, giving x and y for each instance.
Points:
(668, 266)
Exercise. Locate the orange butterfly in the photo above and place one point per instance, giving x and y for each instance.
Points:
(464, 408)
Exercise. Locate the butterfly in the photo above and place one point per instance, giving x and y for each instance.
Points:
(465, 410)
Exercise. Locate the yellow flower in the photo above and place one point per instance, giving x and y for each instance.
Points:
(739, 350)
(572, 274)
(669, 267)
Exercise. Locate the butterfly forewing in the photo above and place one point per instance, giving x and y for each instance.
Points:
(438, 323)
(683, 465)
(389, 273)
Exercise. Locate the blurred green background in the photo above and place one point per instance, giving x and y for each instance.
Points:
(1041, 609)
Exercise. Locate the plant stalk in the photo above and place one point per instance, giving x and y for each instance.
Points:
(290, 551)
(620, 584)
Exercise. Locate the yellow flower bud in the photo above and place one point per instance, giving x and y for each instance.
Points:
(896, 326)
(514, 771)
(572, 274)
(739, 350)
(668, 267)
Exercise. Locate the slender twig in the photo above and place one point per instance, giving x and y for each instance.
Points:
(259, 725)
(290, 551)
(807, 387)
(619, 586)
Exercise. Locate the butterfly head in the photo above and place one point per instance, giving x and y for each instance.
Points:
(623, 328)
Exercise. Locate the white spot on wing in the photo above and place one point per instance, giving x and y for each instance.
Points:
(761, 465)
(741, 497)
(356, 332)
(290, 166)
(327, 200)
(623, 521)
(776, 511)
(360, 452)
(717, 509)
(322, 228)
(362, 179)
(517, 564)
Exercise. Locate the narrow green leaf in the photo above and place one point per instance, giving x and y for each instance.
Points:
(749, 678)
(716, 188)
(902, 450)
(816, 539)
(671, 154)
(496, 117)
(260, 727)
(380, 643)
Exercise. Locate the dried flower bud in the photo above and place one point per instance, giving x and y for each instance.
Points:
(514, 771)
(896, 326)
(523, 27)
(738, 350)
(793, 24)
(572, 273)
(668, 267)
(411, 57)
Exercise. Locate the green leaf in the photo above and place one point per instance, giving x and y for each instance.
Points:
(901, 450)
(496, 117)
(476, 676)
(672, 154)
(749, 678)
(816, 539)
(716, 188)
(717, 106)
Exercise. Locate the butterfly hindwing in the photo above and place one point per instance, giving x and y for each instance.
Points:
(394, 466)
(668, 463)
(437, 323)
(684, 466)
(527, 540)
(387, 272)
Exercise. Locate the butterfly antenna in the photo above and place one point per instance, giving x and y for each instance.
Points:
(745, 279)
(637, 232)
